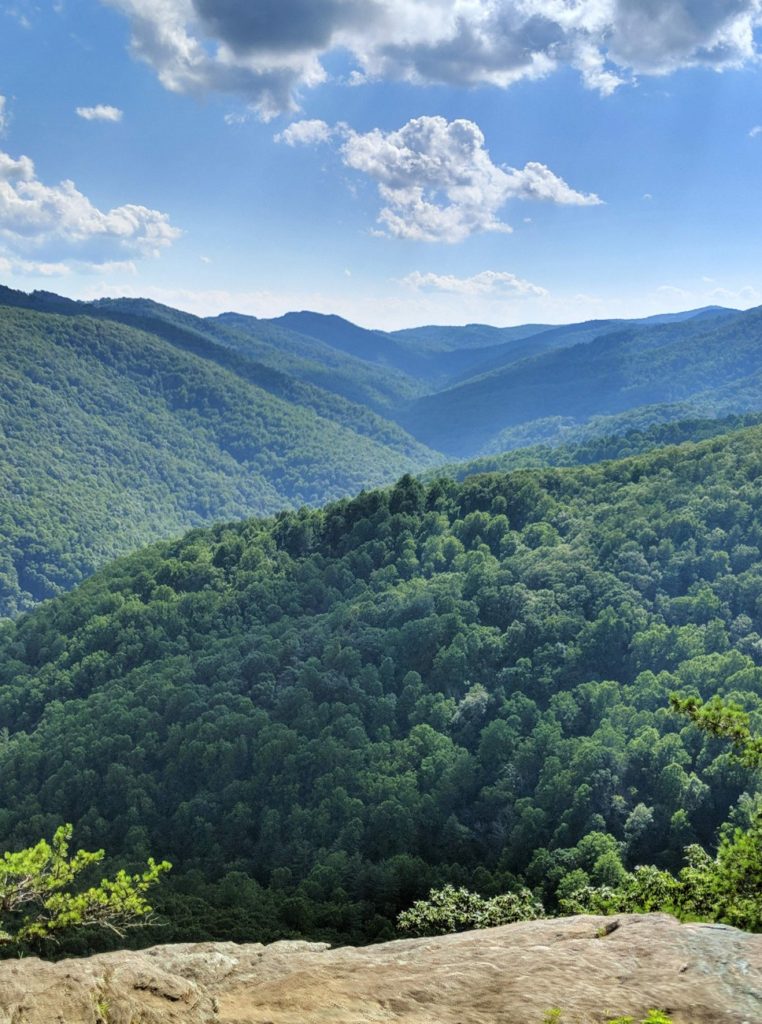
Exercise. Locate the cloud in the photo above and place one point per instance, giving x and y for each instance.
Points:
(3, 114)
(389, 308)
(305, 133)
(268, 51)
(708, 292)
(438, 183)
(32, 268)
(488, 282)
(18, 15)
(192, 46)
(435, 177)
(101, 112)
(660, 36)
(670, 291)
(63, 222)
(36, 268)
(755, 131)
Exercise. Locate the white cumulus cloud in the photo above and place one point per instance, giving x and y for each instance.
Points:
(488, 282)
(100, 112)
(62, 222)
(266, 51)
(437, 181)
(305, 133)
(3, 114)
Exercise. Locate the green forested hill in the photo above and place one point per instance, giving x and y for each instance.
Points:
(550, 339)
(268, 363)
(372, 346)
(590, 444)
(381, 387)
(475, 389)
(446, 338)
(183, 421)
(284, 378)
(318, 716)
(111, 437)
(691, 365)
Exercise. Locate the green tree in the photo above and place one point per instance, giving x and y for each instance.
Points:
(37, 899)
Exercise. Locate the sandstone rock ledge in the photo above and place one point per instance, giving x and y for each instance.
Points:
(593, 967)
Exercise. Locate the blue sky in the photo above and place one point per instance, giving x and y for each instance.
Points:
(397, 163)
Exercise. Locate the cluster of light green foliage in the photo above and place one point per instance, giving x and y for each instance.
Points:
(455, 909)
(40, 898)
(555, 1016)
(727, 887)
(724, 888)
(727, 721)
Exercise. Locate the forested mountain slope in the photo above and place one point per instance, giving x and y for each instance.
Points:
(457, 389)
(445, 338)
(324, 411)
(567, 335)
(231, 350)
(614, 373)
(372, 346)
(293, 384)
(312, 359)
(587, 446)
(111, 437)
(316, 717)
(438, 355)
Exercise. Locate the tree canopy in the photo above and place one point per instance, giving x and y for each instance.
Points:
(321, 716)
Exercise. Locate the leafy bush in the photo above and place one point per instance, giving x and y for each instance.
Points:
(452, 909)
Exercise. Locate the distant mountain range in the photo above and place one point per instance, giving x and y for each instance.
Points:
(122, 420)
(132, 423)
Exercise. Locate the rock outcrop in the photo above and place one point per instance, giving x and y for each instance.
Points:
(592, 967)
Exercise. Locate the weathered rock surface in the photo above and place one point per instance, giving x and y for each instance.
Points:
(592, 967)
